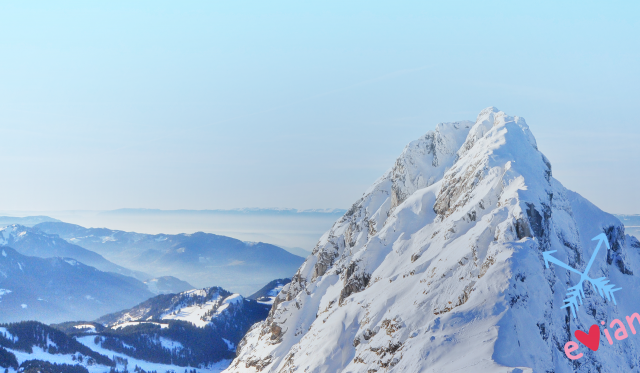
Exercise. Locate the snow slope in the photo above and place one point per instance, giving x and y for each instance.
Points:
(439, 268)
(193, 328)
(147, 366)
(267, 295)
(201, 315)
(200, 307)
(40, 354)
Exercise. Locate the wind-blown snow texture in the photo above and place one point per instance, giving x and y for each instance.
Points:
(439, 268)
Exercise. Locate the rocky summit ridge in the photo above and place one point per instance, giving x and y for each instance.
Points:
(439, 268)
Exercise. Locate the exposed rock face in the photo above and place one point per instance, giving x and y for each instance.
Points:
(439, 268)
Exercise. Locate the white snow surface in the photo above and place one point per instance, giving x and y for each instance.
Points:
(170, 344)
(201, 313)
(89, 341)
(197, 314)
(87, 328)
(275, 291)
(106, 239)
(271, 295)
(10, 231)
(439, 268)
(8, 334)
(134, 323)
(4, 292)
(152, 285)
(230, 344)
(39, 354)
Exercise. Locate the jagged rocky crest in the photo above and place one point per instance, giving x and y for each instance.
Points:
(439, 267)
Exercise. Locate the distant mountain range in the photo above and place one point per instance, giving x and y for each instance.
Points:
(202, 259)
(167, 285)
(281, 227)
(28, 221)
(48, 291)
(263, 211)
(34, 242)
(61, 289)
(298, 251)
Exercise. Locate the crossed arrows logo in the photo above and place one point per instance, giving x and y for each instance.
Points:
(576, 293)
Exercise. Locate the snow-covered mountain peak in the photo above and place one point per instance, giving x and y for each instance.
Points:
(439, 267)
(499, 149)
(424, 160)
(11, 233)
(488, 119)
(490, 109)
(422, 163)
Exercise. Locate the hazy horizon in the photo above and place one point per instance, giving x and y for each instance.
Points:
(288, 230)
(282, 227)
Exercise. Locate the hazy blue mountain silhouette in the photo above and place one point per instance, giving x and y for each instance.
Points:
(61, 289)
(202, 259)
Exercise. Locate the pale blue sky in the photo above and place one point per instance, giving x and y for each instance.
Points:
(207, 104)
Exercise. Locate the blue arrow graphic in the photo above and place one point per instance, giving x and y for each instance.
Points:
(576, 293)
(548, 258)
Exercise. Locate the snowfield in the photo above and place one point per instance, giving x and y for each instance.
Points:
(439, 268)
(39, 354)
(4, 292)
(8, 334)
(272, 296)
(87, 328)
(134, 323)
(197, 314)
(194, 306)
(160, 368)
(169, 344)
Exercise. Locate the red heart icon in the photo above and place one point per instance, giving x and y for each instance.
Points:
(591, 340)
